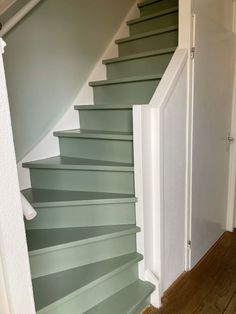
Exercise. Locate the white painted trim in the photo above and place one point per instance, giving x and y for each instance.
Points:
(230, 219)
(18, 17)
(13, 246)
(138, 171)
(6, 5)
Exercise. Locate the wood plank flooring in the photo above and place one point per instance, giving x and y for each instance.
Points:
(210, 288)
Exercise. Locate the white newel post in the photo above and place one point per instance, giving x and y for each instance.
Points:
(17, 287)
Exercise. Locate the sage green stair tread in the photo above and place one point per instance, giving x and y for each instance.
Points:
(147, 34)
(126, 300)
(51, 288)
(44, 239)
(52, 198)
(103, 107)
(140, 55)
(148, 2)
(154, 15)
(82, 133)
(59, 162)
(127, 80)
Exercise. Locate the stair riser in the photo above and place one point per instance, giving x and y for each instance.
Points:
(71, 257)
(83, 180)
(83, 216)
(154, 23)
(110, 150)
(130, 93)
(108, 120)
(155, 42)
(90, 298)
(158, 6)
(143, 66)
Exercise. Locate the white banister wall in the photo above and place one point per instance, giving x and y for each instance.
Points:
(162, 157)
(13, 247)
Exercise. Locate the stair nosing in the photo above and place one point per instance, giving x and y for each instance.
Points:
(132, 79)
(146, 3)
(118, 234)
(112, 200)
(103, 107)
(147, 34)
(99, 135)
(140, 55)
(115, 168)
(153, 15)
(96, 282)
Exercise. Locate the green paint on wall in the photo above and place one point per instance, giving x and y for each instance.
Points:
(49, 56)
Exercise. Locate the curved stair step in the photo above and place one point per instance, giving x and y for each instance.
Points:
(130, 300)
(54, 250)
(76, 284)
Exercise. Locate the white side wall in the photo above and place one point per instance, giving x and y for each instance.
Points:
(213, 91)
(13, 248)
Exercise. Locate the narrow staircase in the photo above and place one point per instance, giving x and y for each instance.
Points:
(82, 244)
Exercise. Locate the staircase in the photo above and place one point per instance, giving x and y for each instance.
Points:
(82, 244)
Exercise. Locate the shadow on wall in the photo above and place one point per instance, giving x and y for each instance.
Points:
(49, 55)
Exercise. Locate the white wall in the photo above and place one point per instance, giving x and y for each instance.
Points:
(213, 90)
(13, 247)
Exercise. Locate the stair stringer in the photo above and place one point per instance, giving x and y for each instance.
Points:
(151, 151)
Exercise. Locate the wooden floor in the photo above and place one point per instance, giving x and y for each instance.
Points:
(210, 288)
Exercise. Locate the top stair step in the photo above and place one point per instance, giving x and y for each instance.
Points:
(152, 6)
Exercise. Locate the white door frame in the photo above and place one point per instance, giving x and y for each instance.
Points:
(230, 220)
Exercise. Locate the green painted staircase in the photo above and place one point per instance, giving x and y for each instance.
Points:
(82, 244)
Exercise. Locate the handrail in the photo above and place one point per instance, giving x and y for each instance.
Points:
(28, 210)
(18, 17)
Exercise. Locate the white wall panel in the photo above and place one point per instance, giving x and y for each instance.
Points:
(213, 88)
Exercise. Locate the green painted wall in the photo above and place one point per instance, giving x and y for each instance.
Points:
(49, 55)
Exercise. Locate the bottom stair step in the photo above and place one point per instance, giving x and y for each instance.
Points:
(130, 300)
(79, 289)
